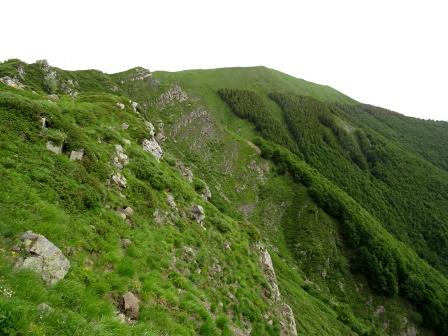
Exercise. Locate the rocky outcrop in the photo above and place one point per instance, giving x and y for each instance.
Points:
(12, 82)
(269, 272)
(171, 96)
(153, 147)
(76, 155)
(185, 171)
(120, 158)
(198, 213)
(43, 257)
(130, 305)
(52, 147)
(119, 180)
(206, 194)
(151, 129)
(287, 321)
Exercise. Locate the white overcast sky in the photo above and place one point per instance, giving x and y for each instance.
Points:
(388, 53)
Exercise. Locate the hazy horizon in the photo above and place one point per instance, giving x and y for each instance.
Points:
(385, 54)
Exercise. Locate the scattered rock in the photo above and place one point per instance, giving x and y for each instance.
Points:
(130, 306)
(52, 147)
(170, 201)
(153, 147)
(53, 97)
(76, 155)
(120, 159)
(125, 243)
(287, 322)
(206, 193)
(197, 212)
(150, 128)
(185, 171)
(172, 95)
(12, 82)
(134, 106)
(44, 308)
(43, 257)
(119, 180)
(120, 106)
(269, 273)
(124, 126)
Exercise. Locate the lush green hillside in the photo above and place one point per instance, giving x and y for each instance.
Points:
(348, 200)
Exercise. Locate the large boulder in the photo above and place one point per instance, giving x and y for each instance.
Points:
(130, 306)
(43, 257)
(153, 147)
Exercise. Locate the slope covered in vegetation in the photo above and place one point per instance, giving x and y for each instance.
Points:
(236, 201)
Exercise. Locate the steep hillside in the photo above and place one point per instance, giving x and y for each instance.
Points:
(237, 201)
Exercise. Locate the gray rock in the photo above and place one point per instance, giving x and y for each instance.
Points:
(134, 106)
(12, 82)
(120, 106)
(124, 126)
(170, 201)
(44, 308)
(171, 96)
(119, 180)
(53, 97)
(153, 147)
(121, 158)
(125, 242)
(52, 147)
(268, 270)
(43, 123)
(76, 155)
(130, 305)
(150, 128)
(197, 212)
(43, 257)
(287, 321)
(127, 142)
(206, 193)
(185, 171)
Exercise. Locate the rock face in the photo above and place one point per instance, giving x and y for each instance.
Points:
(197, 212)
(130, 305)
(52, 147)
(268, 270)
(153, 147)
(287, 323)
(44, 257)
(174, 94)
(120, 159)
(12, 82)
(76, 155)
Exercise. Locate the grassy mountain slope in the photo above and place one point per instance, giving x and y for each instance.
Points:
(307, 206)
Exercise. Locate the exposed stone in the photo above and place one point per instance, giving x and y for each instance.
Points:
(160, 135)
(125, 242)
(44, 308)
(226, 245)
(127, 142)
(150, 128)
(119, 180)
(21, 71)
(43, 123)
(76, 155)
(185, 171)
(134, 106)
(43, 257)
(287, 322)
(53, 97)
(120, 106)
(52, 147)
(12, 82)
(197, 212)
(170, 201)
(269, 273)
(153, 147)
(124, 126)
(120, 159)
(206, 193)
(130, 305)
(172, 95)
